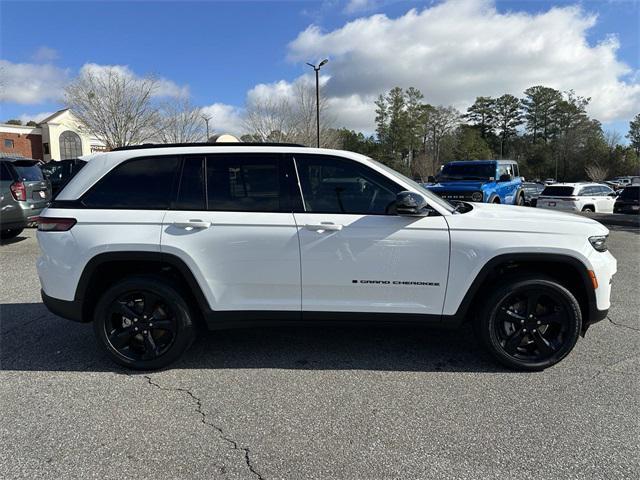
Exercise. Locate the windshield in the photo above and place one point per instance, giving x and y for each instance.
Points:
(28, 171)
(631, 193)
(468, 171)
(429, 195)
(558, 191)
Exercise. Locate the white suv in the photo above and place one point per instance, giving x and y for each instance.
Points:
(150, 242)
(578, 197)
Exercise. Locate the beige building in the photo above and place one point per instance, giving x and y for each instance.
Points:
(58, 137)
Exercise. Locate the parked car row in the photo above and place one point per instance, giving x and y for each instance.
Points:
(27, 186)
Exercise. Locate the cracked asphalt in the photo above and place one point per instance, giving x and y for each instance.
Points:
(318, 403)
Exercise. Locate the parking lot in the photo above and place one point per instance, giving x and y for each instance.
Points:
(315, 403)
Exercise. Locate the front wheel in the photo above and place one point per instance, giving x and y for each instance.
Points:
(530, 323)
(143, 323)
(520, 201)
(10, 233)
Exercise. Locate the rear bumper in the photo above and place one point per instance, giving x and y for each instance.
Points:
(71, 310)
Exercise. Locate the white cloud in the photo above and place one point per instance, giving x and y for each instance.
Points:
(28, 83)
(457, 50)
(354, 6)
(36, 117)
(45, 55)
(165, 88)
(225, 119)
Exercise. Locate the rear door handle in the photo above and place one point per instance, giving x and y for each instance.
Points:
(192, 224)
(324, 227)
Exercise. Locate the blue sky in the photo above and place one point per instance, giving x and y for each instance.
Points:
(220, 51)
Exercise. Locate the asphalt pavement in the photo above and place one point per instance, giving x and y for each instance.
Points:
(315, 403)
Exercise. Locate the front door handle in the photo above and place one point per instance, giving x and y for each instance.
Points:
(192, 224)
(324, 227)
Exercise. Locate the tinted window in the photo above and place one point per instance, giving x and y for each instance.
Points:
(468, 171)
(553, 191)
(191, 195)
(5, 174)
(28, 171)
(334, 185)
(245, 183)
(145, 184)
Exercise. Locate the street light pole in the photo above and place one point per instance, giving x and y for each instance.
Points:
(317, 71)
(206, 119)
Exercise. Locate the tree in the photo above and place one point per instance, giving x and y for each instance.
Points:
(481, 114)
(397, 131)
(439, 122)
(115, 107)
(596, 172)
(13, 121)
(634, 133)
(469, 144)
(269, 119)
(382, 118)
(31, 123)
(539, 106)
(507, 118)
(181, 122)
(414, 123)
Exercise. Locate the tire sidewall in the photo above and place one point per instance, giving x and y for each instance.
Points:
(487, 323)
(185, 333)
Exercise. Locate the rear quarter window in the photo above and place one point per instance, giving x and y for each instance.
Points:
(139, 184)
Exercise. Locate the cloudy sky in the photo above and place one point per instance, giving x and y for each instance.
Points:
(225, 55)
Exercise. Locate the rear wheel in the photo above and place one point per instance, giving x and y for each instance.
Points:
(530, 323)
(496, 200)
(589, 208)
(520, 200)
(143, 323)
(10, 233)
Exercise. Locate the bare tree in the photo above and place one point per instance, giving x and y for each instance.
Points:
(291, 118)
(596, 172)
(115, 107)
(181, 122)
(439, 123)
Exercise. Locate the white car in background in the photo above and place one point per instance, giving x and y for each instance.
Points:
(578, 197)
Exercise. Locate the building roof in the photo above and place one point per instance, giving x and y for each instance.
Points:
(53, 115)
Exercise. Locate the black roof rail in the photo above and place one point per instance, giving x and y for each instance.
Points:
(206, 144)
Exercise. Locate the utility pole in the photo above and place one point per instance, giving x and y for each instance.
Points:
(206, 119)
(317, 70)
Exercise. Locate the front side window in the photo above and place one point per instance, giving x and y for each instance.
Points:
(335, 185)
(70, 145)
(141, 184)
(246, 183)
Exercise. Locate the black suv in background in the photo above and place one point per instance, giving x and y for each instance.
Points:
(60, 172)
(24, 192)
(628, 201)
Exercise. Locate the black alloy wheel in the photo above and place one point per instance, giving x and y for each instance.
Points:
(531, 324)
(143, 323)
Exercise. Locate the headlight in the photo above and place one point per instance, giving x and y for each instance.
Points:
(476, 196)
(599, 242)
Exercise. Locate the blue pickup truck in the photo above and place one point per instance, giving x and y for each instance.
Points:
(489, 181)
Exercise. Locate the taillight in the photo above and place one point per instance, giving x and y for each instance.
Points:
(19, 191)
(51, 224)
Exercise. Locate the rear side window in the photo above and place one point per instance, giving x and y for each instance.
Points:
(141, 184)
(335, 185)
(191, 189)
(558, 191)
(246, 183)
(28, 171)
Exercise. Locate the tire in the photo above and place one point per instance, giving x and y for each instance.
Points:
(10, 233)
(124, 319)
(520, 200)
(589, 208)
(517, 340)
(495, 200)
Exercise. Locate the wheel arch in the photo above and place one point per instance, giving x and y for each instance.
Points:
(107, 268)
(573, 274)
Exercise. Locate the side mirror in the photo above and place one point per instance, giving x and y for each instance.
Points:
(505, 178)
(411, 204)
(431, 179)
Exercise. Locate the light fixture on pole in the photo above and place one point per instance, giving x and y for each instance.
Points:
(317, 70)
(206, 119)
